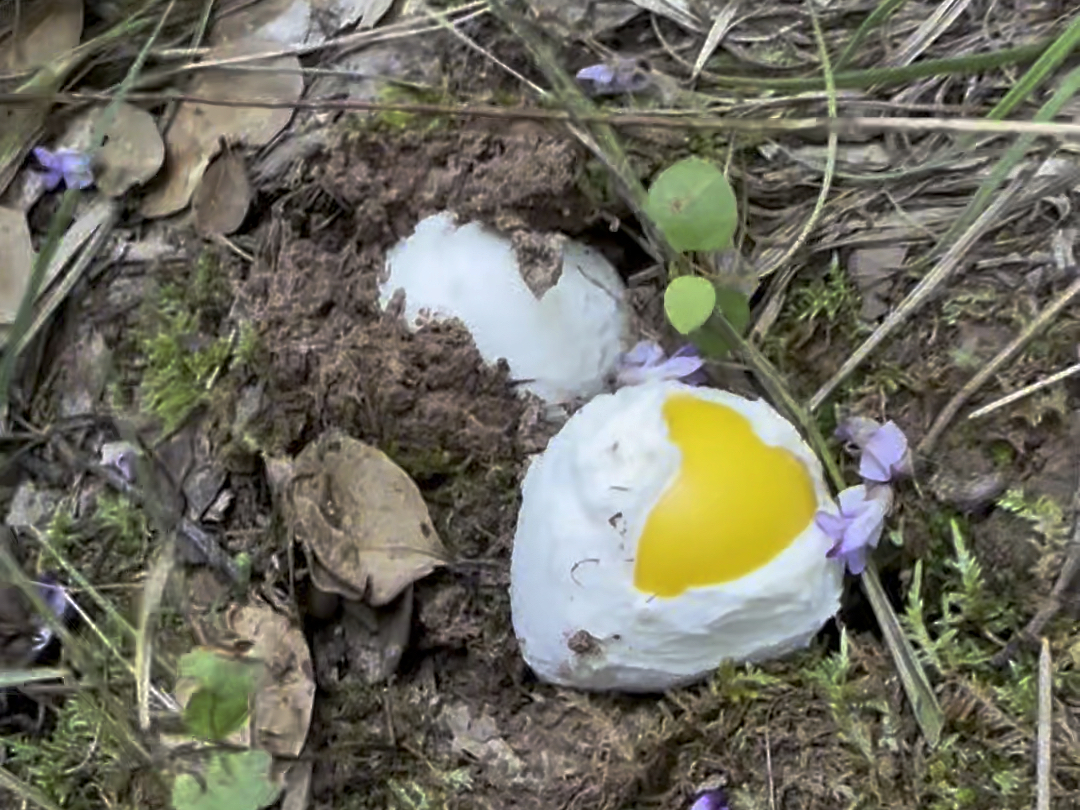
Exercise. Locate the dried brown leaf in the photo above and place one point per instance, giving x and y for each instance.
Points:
(198, 130)
(285, 21)
(285, 696)
(224, 195)
(48, 30)
(18, 260)
(132, 154)
(361, 518)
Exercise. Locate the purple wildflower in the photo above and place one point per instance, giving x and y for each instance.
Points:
(69, 165)
(856, 431)
(884, 448)
(714, 799)
(54, 595)
(885, 455)
(122, 457)
(645, 362)
(614, 78)
(858, 527)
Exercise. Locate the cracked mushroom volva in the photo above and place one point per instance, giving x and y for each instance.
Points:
(666, 529)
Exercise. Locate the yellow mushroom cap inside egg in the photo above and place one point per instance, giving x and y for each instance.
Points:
(664, 530)
(735, 504)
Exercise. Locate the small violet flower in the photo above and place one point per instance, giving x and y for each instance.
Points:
(54, 595)
(645, 362)
(883, 457)
(710, 800)
(613, 78)
(859, 525)
(69, 165)
(884, 448)
(121, 457)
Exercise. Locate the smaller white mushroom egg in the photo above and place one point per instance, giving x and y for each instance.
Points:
(664, 530)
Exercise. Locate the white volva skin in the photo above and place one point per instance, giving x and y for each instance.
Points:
(585, 501)
(564, 343)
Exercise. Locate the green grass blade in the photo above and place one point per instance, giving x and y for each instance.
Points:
(1068, 88)
(12, 149)
(21, 677)
(862, 79)
(29, 793)
(883, 11)
(1039, 72)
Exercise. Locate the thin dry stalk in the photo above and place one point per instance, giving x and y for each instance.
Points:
(932, 28)
(1024, 392)
(1042, 759)
(923, 291)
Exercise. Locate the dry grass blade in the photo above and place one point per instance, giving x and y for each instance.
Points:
(881, 12)
(153, 594)
(1042, 759)
(721, 25)
(1041, 71)
(771, 310)
(28, 793)
(924, 703)
(975, 221)
(923, 291)
(1026, 391)
(932, 28)
(95, 224)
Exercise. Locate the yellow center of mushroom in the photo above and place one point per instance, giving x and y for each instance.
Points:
(734, 505)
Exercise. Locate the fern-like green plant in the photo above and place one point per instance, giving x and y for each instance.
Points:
(179, 374)
(71, 765)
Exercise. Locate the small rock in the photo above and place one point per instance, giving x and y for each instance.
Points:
(33, 507)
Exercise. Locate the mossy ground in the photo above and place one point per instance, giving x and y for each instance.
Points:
(826, 728)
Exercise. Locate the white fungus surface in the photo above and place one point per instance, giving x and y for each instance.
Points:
(563, 344)
(576, 612)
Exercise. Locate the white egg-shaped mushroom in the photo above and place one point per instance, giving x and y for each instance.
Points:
(666, 529)
(561, 345)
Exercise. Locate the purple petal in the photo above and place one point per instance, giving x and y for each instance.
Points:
(69, 164)
(47, 159)
(855, 560)
(710, 800)
(602, 74)
(858, 527)
(857, 430)
(852, 501)
(53, 595)
(676, 368)
(50, 178)
(832, 525)
(76, 168)
(885, 454)
(645, 363)
(645, 353)
(619, 76)
(866, 528)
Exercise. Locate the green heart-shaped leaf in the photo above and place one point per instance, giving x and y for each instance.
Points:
(688, 302)
(694, 205)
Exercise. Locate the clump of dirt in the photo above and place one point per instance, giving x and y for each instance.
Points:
(460, 709)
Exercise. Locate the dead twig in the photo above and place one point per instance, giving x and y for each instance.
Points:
(841, 125)
(1026, 391)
